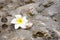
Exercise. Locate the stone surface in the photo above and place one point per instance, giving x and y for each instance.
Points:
(44, 14)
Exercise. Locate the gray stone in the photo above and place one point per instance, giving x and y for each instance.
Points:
(44, 14)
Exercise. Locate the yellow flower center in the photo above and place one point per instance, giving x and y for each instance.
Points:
(19, 20)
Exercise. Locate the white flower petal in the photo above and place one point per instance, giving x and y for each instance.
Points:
(13, 21)
(16, 26)
(24, 18)
(23, 26)
(18, 16)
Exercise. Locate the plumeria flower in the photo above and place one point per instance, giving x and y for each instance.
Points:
(20, 21)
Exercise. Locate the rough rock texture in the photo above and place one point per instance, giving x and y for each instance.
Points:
(44, 14)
